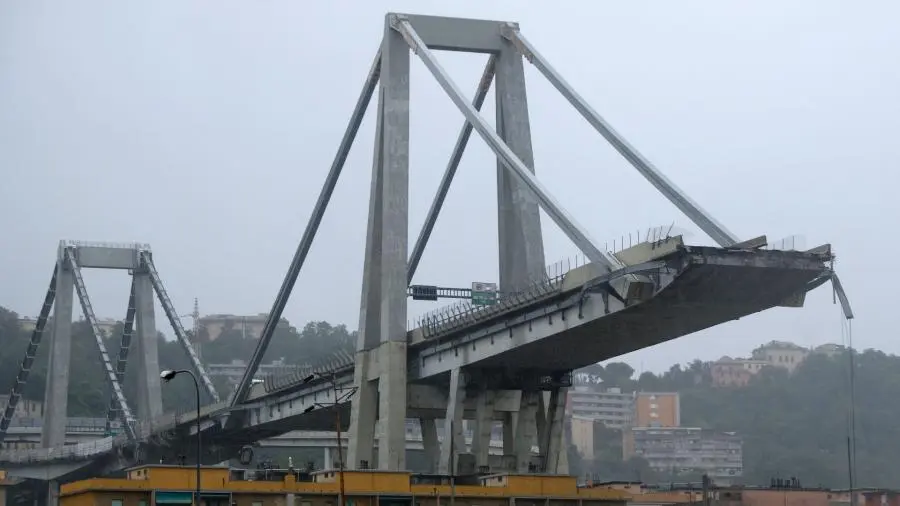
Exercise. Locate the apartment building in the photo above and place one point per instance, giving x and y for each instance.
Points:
(611, 407)
(618, 410)
(679, 450)
(250, 326)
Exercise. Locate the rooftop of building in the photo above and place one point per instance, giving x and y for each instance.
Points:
(227, 316)
(215, 479)
(782, 345)
(692, 493)
(739, 361)
(682, 430)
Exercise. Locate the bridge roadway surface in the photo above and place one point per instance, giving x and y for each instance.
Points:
(82, 429)
(565, 323)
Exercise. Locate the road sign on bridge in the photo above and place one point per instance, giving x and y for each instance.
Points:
(484, 294)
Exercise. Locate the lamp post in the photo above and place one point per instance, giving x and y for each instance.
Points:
(166, 377)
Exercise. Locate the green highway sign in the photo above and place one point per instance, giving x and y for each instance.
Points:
(484, 294)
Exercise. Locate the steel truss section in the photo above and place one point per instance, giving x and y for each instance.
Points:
(122, 359)
(172, 315)
(128, 419)
(67, 278)
(30, 353)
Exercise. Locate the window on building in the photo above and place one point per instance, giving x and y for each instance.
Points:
(116, 502)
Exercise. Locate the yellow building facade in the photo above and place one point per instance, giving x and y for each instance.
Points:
(167, 485)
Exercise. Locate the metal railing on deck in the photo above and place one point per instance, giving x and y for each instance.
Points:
(462, 314)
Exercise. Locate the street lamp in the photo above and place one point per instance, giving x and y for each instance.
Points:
(166, 376)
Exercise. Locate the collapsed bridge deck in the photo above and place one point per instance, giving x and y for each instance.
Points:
(581, 321)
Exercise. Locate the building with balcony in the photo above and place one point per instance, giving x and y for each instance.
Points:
(611, 407)
(249, 326)
(682, 450)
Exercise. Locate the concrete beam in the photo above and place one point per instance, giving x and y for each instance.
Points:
(457, 34)
(106, 255)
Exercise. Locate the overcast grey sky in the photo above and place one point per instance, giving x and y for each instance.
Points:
(206, 129)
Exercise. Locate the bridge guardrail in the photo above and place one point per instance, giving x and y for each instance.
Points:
(80, 451)
(337, 362)
(462, 314)
(92, 449)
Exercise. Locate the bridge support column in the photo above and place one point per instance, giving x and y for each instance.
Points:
(364, 412)
(392, 405)
(526, 430)
(510, 421)
(484, 425)
(519, 224)
(328, 460)
(454, 441)
(52, 493)
(56, 391)
(430, 442)
(552, 437)
(383, 308)
(149, 395)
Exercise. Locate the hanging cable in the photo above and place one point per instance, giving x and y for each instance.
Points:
(839, 296)
(852, 408)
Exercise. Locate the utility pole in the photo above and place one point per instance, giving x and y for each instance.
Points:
(452, 464)
(338, 400)
(706, 487)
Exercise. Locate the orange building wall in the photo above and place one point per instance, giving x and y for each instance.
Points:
(752, 497)
(364, 486)
(665, 407)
